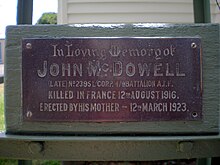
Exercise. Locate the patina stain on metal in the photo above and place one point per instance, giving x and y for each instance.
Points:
(111, 79)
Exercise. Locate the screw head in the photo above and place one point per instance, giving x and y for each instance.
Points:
(194, 114)
(193, 45)
(185, 146)
(29, 114)
(35, 147)
(29, 46)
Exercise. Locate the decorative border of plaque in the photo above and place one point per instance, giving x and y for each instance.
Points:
(111, 79)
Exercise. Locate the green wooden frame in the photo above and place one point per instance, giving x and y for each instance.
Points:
(108, 148)
(118, 147)
(209, 34)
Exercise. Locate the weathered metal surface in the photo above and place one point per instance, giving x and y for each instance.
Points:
(111, 79)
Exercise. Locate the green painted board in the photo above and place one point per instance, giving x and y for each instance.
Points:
(208, 33)
(108, 148)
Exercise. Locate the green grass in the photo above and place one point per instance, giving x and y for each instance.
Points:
(2, 121)
(8, 162)
(34, 162)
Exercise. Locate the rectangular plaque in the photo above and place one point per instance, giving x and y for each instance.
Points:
(111, 79)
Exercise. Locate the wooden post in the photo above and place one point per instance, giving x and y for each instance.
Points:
(201, 11)
(24, 11)
(24, 162)
(204, 161)
(207, 13)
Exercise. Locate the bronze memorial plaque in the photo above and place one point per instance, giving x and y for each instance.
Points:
(111, 79)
